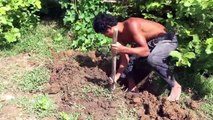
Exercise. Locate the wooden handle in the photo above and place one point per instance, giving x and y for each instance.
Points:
(115, 37)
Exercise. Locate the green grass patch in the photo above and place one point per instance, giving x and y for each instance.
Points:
(39, 106)
(97, 90)
(72, 116)
(207, 106)
(38, 41)
(33, 80)
(206, 86)
(126, 113)
(43, 106)
(65, 116)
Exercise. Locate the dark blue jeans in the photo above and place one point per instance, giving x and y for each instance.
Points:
(160, 48)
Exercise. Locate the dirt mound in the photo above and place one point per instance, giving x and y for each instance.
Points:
(150, 107)
(79, 84)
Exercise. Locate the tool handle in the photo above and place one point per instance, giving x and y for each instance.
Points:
(115, 37)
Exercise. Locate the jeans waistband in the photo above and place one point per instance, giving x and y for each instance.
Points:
(167, 36)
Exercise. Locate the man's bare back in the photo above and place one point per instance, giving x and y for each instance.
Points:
(148, 29)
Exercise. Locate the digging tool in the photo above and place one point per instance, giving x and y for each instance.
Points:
(144, 80)
(115, 37)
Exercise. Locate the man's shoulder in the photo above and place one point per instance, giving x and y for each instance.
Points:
(133, 20)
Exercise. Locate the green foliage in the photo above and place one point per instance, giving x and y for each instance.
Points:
(65, 116)
(43, 106)
(33, 80)
(125, 113)
(207, 106)
(79, 15)
(15, 14)
(38, 41)
(40, 105)
(96, 90)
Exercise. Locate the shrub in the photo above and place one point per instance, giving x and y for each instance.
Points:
(79, 16)
(15, 14)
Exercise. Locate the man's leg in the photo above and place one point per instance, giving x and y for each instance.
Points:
(158, 60)
(132, 85)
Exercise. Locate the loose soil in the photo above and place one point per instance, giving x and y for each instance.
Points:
(79, 84)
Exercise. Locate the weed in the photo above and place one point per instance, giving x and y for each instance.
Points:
(207, 106)
(126, 113)
(96, 90)
(65, 116)
(25, 103)
(43, 106)
(33, 80)
(40, 105)
(72, 116)
(207, 84)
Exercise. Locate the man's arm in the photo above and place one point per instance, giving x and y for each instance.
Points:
(142, 50)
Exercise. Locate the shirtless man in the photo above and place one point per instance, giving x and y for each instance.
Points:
(148, 39)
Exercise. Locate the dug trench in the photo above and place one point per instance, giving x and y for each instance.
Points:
(78, 84)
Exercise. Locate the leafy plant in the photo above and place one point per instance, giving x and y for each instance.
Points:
(43, 106)
(15, 14)
(79, 16)
(40, 105)
(65, 116)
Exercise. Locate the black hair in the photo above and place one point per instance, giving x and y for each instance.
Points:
(102, 21)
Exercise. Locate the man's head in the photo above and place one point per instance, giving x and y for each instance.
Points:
(103, 23)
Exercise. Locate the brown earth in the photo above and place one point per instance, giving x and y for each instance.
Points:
(74, 77)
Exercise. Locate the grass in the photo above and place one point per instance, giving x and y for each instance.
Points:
(33, 80)
(39, 106)
(96, 90)
(72, 116)
(65, 116)
(43, 106)
(38, 41)
(207, 106)
(126, 113)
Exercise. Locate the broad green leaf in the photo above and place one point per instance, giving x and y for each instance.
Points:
(38, 4)
(195, 38)
(209, 41)
(12, 35)
(185, 61)
(209, 48)
(176, 54)
(189, 55)
(187, 3)
(154, 5)
(3, 10)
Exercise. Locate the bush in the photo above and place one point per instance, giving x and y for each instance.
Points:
(16, 14)
(79, 16)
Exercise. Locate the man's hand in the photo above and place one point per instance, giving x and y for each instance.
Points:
(111, 81)
(117, 48)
